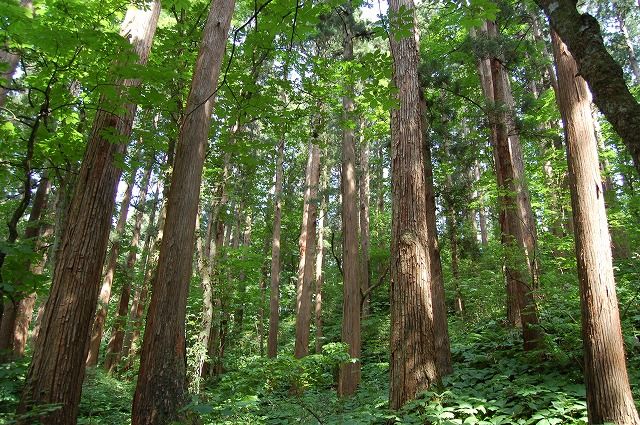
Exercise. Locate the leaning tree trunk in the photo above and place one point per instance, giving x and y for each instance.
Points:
(308, 236)
(274, 297)
(581, 33)
(413, 352)
(107, 282)
(609, 398)
(161, 387)
(76, 278)
(349, 376)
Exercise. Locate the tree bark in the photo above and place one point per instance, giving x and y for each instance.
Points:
(161, 386)
(413, 352)
(581, 33)
(307, 251)
(349, 376)
(319, 278)
(57, 368)
(274, 297)
(609, 397)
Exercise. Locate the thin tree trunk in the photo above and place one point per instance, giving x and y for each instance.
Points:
(161, 386)
(609, 397)
(413, 352)
(631, 54)
(307, 249)
(116, 342)
(365, 240)
(105, 292)
(66, 324)
(274, 297)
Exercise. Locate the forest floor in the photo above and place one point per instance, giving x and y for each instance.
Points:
(493, 382)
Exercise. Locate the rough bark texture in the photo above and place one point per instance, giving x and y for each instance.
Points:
(303, 316)
(274, 297)
(160, 390)
(581, 33)
(107, 282)
(57, 367)
(349, 376)
(609, 398)
(413, 353)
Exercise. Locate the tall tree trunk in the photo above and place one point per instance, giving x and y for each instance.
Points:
(482, 214)
(274, 297)
(413, 352)
(349, 376)
(581, 33)
(441, 329)
(517, 222)
(365, 240)
(631, 54)
(319, 278)
(307, 251)
(107, 282)
(76, 278)
(114, 348)
(609, 397)
(160, 390)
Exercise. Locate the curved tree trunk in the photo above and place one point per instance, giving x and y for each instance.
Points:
(76, 278)
(609, 398)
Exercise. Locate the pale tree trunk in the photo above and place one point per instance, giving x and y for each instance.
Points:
(441, 328)
(581, 33)
(307, 251)
(413, 352)
(161, 386)
(365, 240)
(10, 61)
(274, 297)
(609, 397)
(66, 324)
(482, 214)
(319, 278)
(114, 348)
(349, 376)
(15, 323)
(129, 347)
(208, 252)
(107, 282)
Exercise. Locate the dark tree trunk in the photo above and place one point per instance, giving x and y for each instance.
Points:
(161, 386)
(66, 324)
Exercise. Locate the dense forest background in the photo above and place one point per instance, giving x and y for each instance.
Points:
(331, 212)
